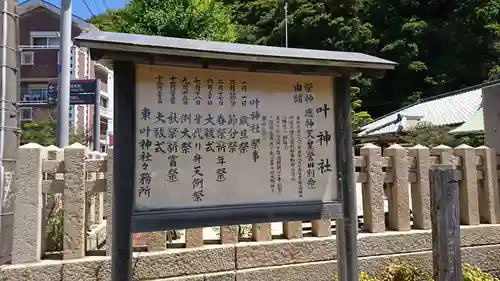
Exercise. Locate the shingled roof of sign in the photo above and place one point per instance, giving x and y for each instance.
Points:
(112, 41)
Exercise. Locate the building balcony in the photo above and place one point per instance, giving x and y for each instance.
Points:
(33, 97)
(38, 47)
(106, 112)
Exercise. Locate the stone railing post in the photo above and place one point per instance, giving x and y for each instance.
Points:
(99, 212)
(399, 195)
(229, 234)
(108, 200)
(445, 154)
(28, 209)
(420, 189)
(372, 190)
(75, 202)
(489, 209)
(91, 195)
(194, 237)
(157, 241)
(469, 203)
(261, 232)
(53, 202)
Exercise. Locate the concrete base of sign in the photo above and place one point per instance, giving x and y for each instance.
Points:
(287, 260)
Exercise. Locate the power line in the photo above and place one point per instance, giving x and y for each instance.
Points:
(104, 2)
(88, 8)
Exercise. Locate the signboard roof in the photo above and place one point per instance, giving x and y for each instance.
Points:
(112, 41)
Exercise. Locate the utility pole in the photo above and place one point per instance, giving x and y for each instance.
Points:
(9, 122)
(62, 137)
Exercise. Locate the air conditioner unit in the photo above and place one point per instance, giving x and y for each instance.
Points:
(27, 58)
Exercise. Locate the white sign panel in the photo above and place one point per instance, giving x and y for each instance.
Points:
(211, 138)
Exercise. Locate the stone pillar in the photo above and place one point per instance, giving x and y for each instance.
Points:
(108, 200)
(91, 195)
(75, 202)
(53, 202)
(469, 204)
(28, 206)
(489, 211)
(444, 153)
(399, 196)
(372, 190)
(194, 237)
(157, 241)
(229, 234)
(420, 189)
(321, 228)
(99, 210)
(292, 229)
(261, 232)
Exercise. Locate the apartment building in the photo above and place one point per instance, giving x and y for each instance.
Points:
(39, 39)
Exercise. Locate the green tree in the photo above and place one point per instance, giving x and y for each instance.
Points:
(328, 25)
(111, 20)
(440, 46)
(44, 133)
(359, 117)
(428, 135)
(195, 19)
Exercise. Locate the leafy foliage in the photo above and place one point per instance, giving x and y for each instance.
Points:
(430, 136)
(44, 133)
(440, 46)
(196, 19)
(407, 272)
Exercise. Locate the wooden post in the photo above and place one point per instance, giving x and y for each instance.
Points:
(347, 227)
(445, 218)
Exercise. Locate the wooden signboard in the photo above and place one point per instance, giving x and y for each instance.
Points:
(213, 133)
(258, 144)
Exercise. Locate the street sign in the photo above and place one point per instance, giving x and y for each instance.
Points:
(81, 92)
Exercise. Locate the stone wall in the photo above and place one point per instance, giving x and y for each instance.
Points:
(393, 199)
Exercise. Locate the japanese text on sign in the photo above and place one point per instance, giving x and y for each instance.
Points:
(210, 138)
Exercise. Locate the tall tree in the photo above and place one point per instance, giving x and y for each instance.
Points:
(440, 45)
(196, 19)
(44, 133)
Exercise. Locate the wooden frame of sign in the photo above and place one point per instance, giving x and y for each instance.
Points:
(212, 133)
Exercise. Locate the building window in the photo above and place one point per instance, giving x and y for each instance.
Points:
(26, 114)
(104, 102)
(27, 58)
(37, 94)
(45, 41)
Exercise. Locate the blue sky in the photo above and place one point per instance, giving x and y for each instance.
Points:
(96, 6)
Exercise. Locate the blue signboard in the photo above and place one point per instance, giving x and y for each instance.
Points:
(81, 92)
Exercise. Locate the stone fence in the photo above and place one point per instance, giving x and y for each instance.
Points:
(398, 176)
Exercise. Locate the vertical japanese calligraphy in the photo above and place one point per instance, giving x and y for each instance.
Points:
(145, 156)
(279, 181)
(208, 137)
(159, 88)
(310, 150)
(173, 83)
(272, 176)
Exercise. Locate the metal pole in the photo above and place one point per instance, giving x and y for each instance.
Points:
(9, 124)
(62, 137)
(123, 171)
(97, 116)
(347, 227)
(286, 24)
